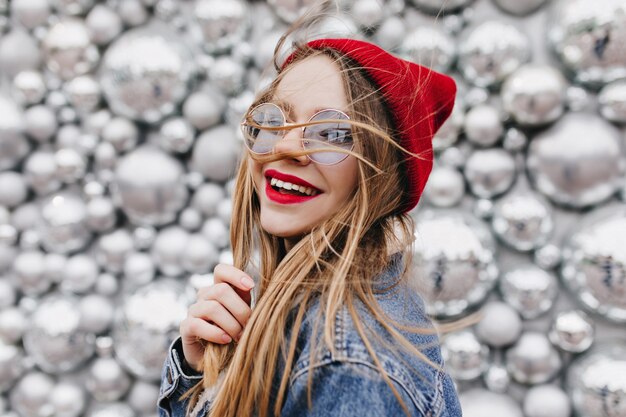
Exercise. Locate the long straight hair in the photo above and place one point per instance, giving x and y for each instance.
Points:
(334, 263)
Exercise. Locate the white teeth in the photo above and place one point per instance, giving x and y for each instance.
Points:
(289, 186)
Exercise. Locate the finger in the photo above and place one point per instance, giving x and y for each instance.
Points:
(213, 311)
(194, 327)
(239, 280)
(206, 293)
(233, 276)
(228, 297)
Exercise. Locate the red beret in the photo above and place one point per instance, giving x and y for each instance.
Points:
(419, 99)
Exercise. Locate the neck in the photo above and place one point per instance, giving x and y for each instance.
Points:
(290, 242)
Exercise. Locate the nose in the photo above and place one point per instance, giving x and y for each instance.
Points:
(292, 141)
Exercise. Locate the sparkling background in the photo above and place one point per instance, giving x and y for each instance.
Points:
(119, 140)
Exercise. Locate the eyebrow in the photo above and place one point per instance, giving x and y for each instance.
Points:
(285, 105)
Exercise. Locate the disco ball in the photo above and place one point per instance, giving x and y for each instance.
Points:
(533, 359)
(523, 221)
(572, 170)
(594, 262)
(529, 289)
(220, 24)
(145, 325)
(453, 275)
(146, 73)
(589, 40)
(491, 51)
(55, 338)
(149, 184)
(63, 227)
(596, 381)
(534, 94)
(68, 49)
(429, 46)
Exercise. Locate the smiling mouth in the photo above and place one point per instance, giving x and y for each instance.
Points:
(284, 187)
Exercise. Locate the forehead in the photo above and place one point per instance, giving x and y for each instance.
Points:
(315, 82)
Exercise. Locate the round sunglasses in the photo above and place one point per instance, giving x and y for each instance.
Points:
(260, 140)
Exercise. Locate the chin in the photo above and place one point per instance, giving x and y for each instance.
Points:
(280, 229)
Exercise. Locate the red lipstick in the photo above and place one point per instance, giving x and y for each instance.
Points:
(289, 178)
(278, 197)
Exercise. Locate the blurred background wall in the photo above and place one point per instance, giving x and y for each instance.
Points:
(119, 140)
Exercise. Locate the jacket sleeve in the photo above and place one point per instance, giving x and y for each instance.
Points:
(345, 389)
(176, 379)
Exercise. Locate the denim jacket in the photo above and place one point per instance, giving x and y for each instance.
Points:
(346, 382)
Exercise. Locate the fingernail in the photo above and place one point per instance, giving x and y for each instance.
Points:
(226, 338)
(247, 282)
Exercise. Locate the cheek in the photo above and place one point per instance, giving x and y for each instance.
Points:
(345, 177)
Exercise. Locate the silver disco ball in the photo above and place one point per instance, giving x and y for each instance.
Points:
(216, 153)
(445, 187)
(429, 46)
(523, 221)
(145, 325)
(55, 338)
(534, 94)
(220, 24)
(107, 380)
(572, 331)
(68, 399)
(490, 172)
(149, 186)
(492, 51)
(547, 400)
(63, 223)
(533, 359)
(465, 357)
(572, 170)
(453, 275)
(596, 381)
(589, 40)
(146, 73)
(530, 290)
(594, 261)
(31, 395)
(483, 125)
(68, 49)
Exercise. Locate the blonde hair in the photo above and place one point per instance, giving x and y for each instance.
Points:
(334, 263)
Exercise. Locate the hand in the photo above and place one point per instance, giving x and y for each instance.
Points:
(219, 314)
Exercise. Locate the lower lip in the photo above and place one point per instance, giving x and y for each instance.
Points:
(278, 197)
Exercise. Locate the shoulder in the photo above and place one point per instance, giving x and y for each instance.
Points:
(416, 381)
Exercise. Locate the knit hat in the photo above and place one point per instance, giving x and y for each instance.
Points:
(419, 99)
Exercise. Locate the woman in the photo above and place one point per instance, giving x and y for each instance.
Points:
(336, 328)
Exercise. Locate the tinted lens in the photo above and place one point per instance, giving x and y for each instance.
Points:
(260, 140)
(328, 134)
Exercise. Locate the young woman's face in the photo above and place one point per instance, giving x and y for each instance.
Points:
(310, 85)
